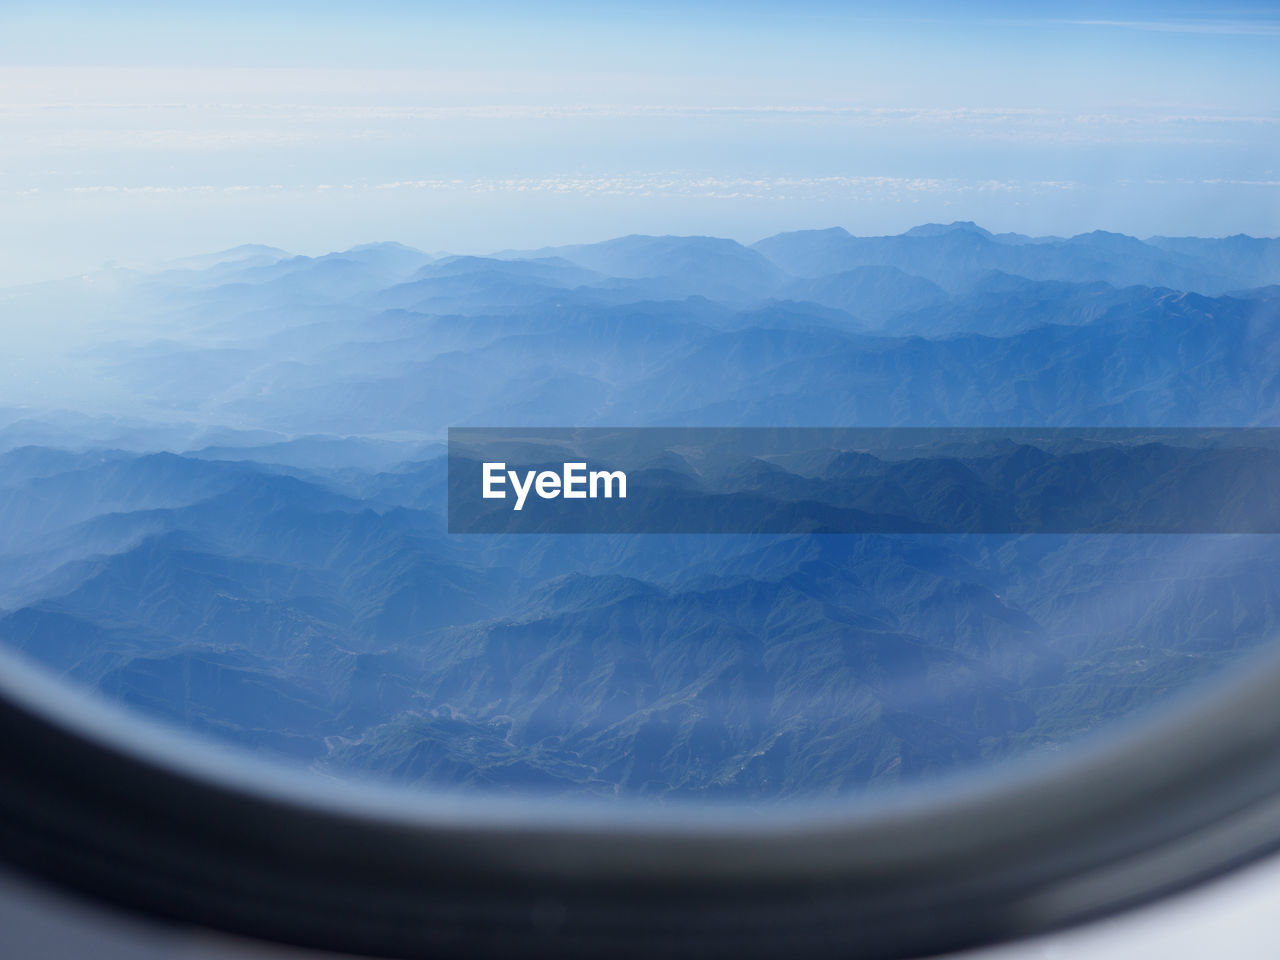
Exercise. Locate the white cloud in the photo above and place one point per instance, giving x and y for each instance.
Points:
(665, 185)
(1251, 28)
(35, 130)
(644, 185)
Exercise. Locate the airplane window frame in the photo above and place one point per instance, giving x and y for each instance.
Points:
(154, 822)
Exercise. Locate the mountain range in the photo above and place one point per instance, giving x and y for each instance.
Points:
(223, 497)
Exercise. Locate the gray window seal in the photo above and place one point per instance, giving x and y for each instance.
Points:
(118, 810)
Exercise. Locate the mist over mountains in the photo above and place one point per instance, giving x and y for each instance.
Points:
(222, 502)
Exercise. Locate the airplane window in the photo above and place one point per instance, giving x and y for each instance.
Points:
(744, 479)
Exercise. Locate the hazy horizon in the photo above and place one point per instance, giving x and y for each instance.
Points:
(135, 136)
(313, 251)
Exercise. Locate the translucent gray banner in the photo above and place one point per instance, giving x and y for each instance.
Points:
(864, 480)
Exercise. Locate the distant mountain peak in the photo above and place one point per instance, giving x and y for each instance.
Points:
(251, 249)
(827, 233)
(259, 252)
(1105, 235)
(386, 245)
(938, 229)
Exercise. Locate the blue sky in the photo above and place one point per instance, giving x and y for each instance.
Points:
(139, 131)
